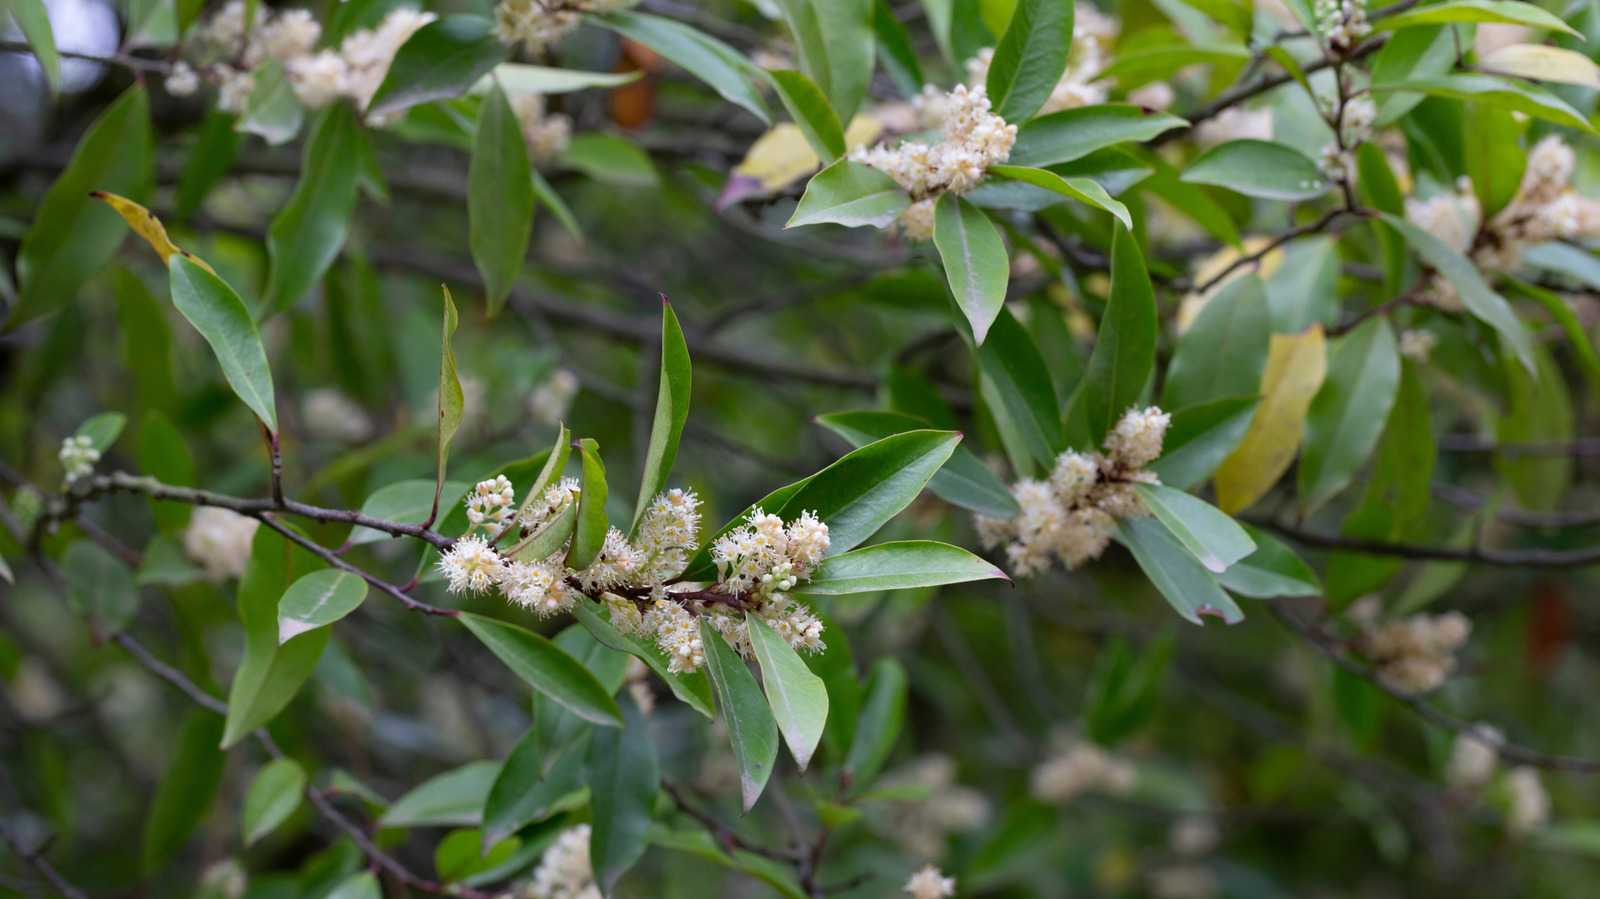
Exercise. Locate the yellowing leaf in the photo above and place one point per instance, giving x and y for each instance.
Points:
(1216, 264)
(1543, 63)
(1296, 364)
(146, 225)
(782, 156)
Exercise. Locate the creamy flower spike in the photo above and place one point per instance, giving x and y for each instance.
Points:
(539, 24)
(930, 883)
(471, 566)
(1343, 23)
(1079, 768)
(1338, 158)
(546, 135)
(219, 540)
(1072, 516)
(1418, 653)
(1473, 757)
(1530, 802)
(490, 505)
(77, 458)
(564, 872)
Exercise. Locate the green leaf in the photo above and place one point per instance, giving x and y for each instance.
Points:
(272, 112)
(798, 699)
(1540, 411)
(1504, 11)
(691, 688)
(222, 319)
(527, 790)
(883, 713)
(308, 233)
(778, 875)
(100, 587)
(1140, 67)
(269, 675)
(1125, 348)
(72, 236)
(975, 260)
(102, 430)
(672, 410)
(358, 886)
(187, 790)
(809, 108)
(590, 532)
(1074, 133)
(1188, 587)
(317, 600)
(1475, 293)
(406, 502)
(546, 668)
(897, 566)
(1567, 320)
(623, 777)
(1200, 437)
(964, 480)
(895, 53)
(610, 160)
(1214, 538)
(461, 855)
(1082, 189)
(452, 401)
(499, 199)
(1258, 168)
(210, 159)
(1420, 51)
(836, 42)
(703, 56)
(850, 194)
(1347, 414)
(859, 493)
(751, 728)
(546, 194)
(273, 797)
(1224, 350)
(440, 62)
(517, 78)
(1516, 96)
(34, 20)
(452, 799)
(1272, 570)
(1030, 59)
(1495, 162)
(1124, 695)
(1017, 386)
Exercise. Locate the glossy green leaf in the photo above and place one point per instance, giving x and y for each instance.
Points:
(859, 493)
(452, 401)
(1495, 161)
(221, 318)
(1419, 51)
(751, 728)
(461, 856)
(898, 566)
(895, 52)
(1258, 168)
(187, 791)
(975, 261)
(358, 886)
(33, 19)
(1503, 11)
(797, 698)
(964, 480)
(836, 43)
(1272, 570)
(406, 502)
(1084, 190)
(1565, 318)
(73, 236)
(589, 533)
(691, 688)
(269, 675)
(1348, 413)
(273, 797)
(883, 714)
(1214, 538)
(850, 194)
(526, 789)
(308, 233)
(317, 600)
(776, 874)
(100, 587)
(1540, 411)
(499, 199)
(1125, 347)
(1517, 96)
(545, 193)
(809, 108)
(1187, 586)
(272, 112)
(610, 160)
(546, 668)
(518, 78)
(1075, 133)
(1030, 58)
(1142, 66)
(1224, 350)
(672, 410)
(210, 159)
(1016, 384)
(441, 61)
(623, 776)
(1200, 437)
(703, 56)
(1124, 693)
(102, 430)
(452, 799)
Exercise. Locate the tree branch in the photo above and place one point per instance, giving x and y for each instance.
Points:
(1510, 558)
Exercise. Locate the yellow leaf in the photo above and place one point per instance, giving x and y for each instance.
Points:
(146, 225)
(782, 156)
(1543, 64)
(1296, 365)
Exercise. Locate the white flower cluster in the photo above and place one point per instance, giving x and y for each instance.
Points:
(971, 138)
(539, 24)
(1530, 802)
(1078, 768)
(552, 399)
(489, 505)
(318, 77)
(1355, 119)
(1417, 345)
(923, 827)
(1072, 516)
(1417, 654)
(930, 883)
(1234, 123)
(1473, 757)
(1343, 23)
(564, 871)
(219, 540)
(78, 456)
(1093, 34)
(1189, 881)
(332, 417)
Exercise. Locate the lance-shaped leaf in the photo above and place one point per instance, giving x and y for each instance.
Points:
(809, 108)
(100, 587)
(1296, 364)
(527, 790)
(975, 261)
(589, 533)
(699, 54)
(33, 19)
(898, 57)
(1074, 133)
(1125, 346)
(1348, 413)
(210, 159)
(452, 401)
(273, 797)
(72, 237)
(441, 61)
(1502, 11)
(546, 668)
(798, 699)
(1216, 540)
(751, 728)
(1543, 63)
(145, 224)
(452, 799)
(549, 538)
(272, 112)
(883, 714)
(857, 494)
(1258, 168)
(102, 430)
(1200, 437)
(269, 675)
(836, 43)
(1187, 587)
(1016, 385)
(407, 502)
(964, 480)
(1224, 349)
(1516, 96)
(691, 688)
(307, 235)
(672, 410)
(362, 885)
(623, 777)
(1272, 570)
(555, 462)
(317, 600)
(850, 194)
(516, 78)
(1030, 59)
(897, 566)
(187, 790)
(222, 319)
(1084, 190)
(499, 198)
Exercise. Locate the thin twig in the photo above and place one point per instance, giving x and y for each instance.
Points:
(35, 858)
(1507, 558)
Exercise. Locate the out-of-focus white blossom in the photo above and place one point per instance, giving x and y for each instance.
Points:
(219, 540)
(1530, 803)
(539, 24)
(182, 80)
(491, 505)
(930, 883)
(1079, 768)
(1093, 34)
(923, 826)
(1338, 158)
(333, 417)
(1194, 835)
(1157, 95)
(78, 457)
(1473, 757)
(1234, 123)
(1185, 882)
(637, 677)
(233, 91)
(564, 871)
(290, 34)
(552, 399)
(1418, 653)
(1417, 345)
(318, 79)
(1343, 23)
(470, 566)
